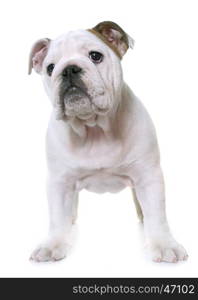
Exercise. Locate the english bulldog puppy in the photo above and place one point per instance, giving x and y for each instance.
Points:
(100, 137)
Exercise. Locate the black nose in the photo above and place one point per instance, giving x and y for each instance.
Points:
(71, 70)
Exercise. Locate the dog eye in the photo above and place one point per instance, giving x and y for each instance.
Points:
(95, 56)
(50, 68)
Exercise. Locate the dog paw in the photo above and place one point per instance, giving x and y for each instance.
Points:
(45, 253)
(168, 252)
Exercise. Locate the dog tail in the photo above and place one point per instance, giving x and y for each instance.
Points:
(138, 207)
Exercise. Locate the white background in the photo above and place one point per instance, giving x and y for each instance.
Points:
(162, 70)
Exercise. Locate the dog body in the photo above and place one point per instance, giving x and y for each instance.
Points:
(100, 137)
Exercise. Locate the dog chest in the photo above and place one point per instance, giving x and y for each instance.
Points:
(96, 151)
(102, 182)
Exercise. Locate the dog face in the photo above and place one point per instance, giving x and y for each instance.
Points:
(81, 70)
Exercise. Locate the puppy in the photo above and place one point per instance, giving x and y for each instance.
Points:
(100, 137)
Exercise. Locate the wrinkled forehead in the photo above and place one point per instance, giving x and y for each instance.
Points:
(75, 43)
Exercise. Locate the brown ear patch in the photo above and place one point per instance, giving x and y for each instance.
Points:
(114, 36)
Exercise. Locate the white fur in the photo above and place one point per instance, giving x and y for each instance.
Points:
(111, 147)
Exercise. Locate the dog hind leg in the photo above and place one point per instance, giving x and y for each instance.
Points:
(137, 206)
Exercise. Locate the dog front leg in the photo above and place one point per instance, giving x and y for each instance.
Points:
(61, 197)
(149, 189)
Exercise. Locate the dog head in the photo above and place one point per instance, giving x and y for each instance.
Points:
(81, 70)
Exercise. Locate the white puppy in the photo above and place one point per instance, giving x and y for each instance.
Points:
(100, 136)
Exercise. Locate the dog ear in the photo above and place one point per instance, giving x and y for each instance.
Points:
(115, 36)
(37, 55)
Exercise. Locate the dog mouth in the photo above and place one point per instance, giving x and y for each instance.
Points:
(74, 93)
(75, 101)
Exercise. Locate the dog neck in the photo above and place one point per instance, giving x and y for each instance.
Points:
(82, 127)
